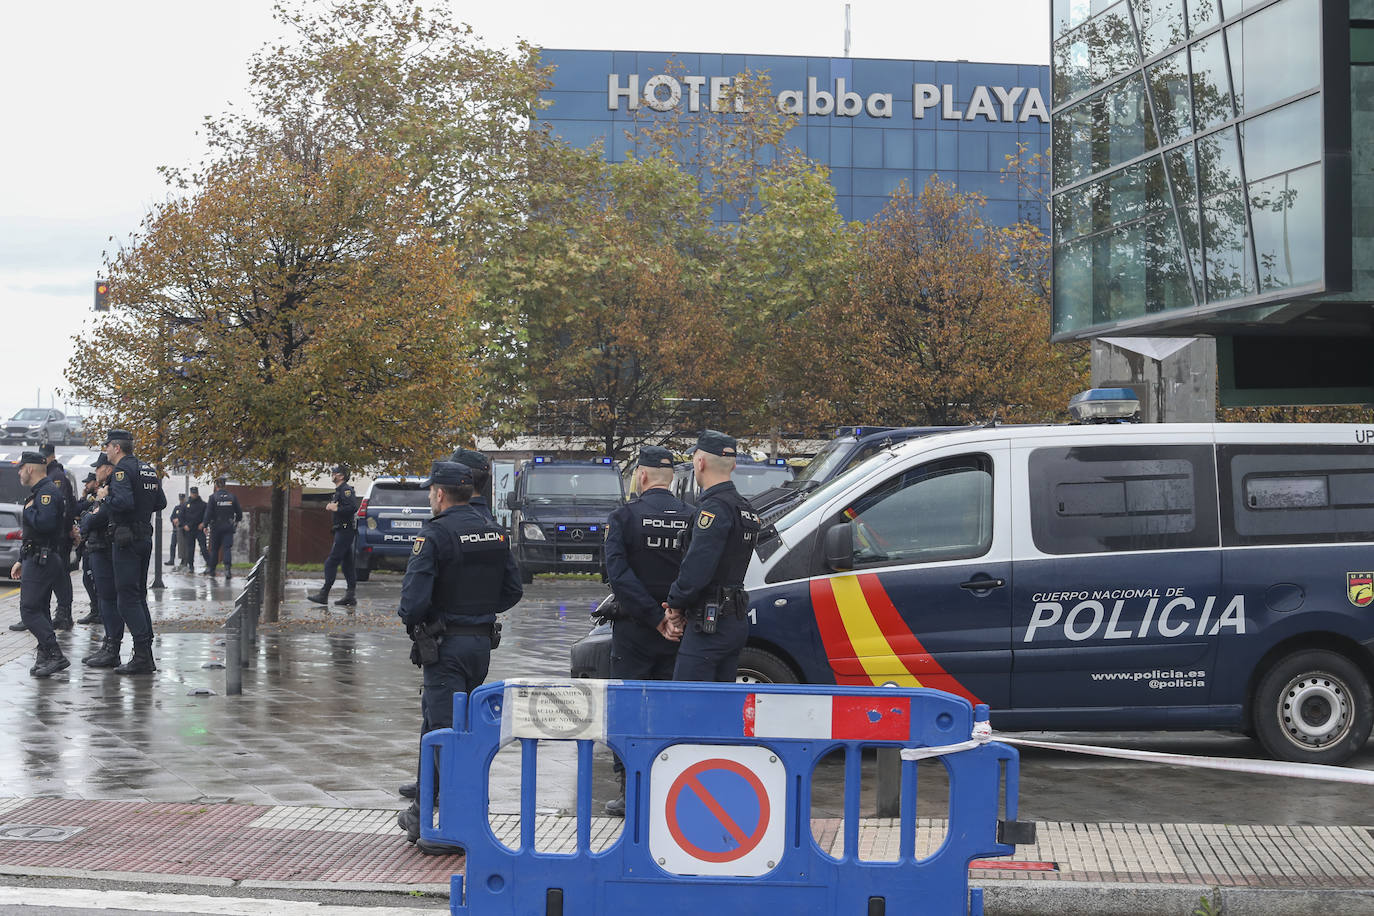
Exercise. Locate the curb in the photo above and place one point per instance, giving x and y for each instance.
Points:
(1081, 898)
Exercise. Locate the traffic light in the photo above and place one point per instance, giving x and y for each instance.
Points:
(102, 296)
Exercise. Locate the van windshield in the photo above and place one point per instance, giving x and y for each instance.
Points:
(570, 485)
(398, 496)
(827, 461)
(814, 499)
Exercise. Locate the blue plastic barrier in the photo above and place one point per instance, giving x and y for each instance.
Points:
(718, 799)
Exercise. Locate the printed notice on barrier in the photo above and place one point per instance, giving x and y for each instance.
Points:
(566, 710)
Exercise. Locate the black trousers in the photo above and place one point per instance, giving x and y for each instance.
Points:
(640, 653)
(711, 656)
(62, 586)
(461, 668)
(222, 545)
(341, 553)
(102, 569)
(130, 566)
(36, 584)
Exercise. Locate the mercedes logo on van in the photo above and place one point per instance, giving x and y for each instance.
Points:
(405, 510)
(576, 534)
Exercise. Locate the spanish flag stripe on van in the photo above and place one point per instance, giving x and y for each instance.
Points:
(832, 630)
(909, 648)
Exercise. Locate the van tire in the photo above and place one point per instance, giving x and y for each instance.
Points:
(757, 666)
(1300, 695)
(526, 576)
(363, 572)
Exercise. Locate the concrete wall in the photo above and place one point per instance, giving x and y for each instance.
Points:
(1180, 389)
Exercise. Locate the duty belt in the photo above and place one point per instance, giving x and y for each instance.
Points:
(467, 629)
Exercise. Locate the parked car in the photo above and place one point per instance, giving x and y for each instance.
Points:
(389, 517)
(10, 537)
(76, 429)
(750, 477)
(558, 513)
(36, 425)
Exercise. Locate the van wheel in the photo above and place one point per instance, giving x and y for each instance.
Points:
(1313, 706)
(759, 667)
(363, 573)
(526, 576)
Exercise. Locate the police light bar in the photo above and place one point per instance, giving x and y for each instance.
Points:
(778, 462)
(540, 459)
(606, 460)
(1105, 405)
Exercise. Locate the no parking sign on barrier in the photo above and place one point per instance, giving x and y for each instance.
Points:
(717, 810)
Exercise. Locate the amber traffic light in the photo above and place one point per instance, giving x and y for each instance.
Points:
(102, 296)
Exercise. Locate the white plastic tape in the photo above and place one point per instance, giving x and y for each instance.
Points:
(1231, 764)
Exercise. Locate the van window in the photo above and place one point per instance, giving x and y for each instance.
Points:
(397, 497)
(1297, 494)
(938, 511)
(1107, 498)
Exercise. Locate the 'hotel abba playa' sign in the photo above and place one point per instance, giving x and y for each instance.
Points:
(663, 92)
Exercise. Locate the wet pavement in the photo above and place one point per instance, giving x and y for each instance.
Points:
(330, 713)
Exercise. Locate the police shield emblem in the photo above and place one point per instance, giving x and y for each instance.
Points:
(119, 475)
(45, 499)
(1359, 588)
(705, 519)
(417, 547)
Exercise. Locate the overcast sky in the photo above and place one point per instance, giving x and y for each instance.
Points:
(98, 95)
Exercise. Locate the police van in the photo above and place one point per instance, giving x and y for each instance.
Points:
(559, 509)
(1164, 576)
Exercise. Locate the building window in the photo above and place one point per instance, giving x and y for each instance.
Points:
(1362, 42)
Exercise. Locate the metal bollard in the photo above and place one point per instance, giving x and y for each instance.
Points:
(233, 653)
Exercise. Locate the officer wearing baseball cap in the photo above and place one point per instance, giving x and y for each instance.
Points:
(643, 554)
(44, 518)
(459, 577)
(707, 604)
(344, 524)
(480, 466)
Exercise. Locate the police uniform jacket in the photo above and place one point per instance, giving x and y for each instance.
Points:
(346, 515)
(58, 475)
(45, 516)
(643, 552)
(94, 524)
(460, 570)
(176, 514)
(717, 548)
(223, 513)
(480, 504)
(193, 513)
(135, 494)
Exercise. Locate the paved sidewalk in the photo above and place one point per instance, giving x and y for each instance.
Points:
(1146, 868)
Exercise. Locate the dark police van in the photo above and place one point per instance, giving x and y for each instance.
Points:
(389, 517)
(751, 477)
(558, 513)
(1164, 576)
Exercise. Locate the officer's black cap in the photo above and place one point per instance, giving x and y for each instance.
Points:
(89, 477)
(654, 456)
(116, 435)
(101, 460)
(717, 443)
(339, 469)
(32, 458)
(195, 491)
(449, 474)
(469, 458)
(47, 448)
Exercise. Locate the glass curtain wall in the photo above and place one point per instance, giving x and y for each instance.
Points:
(1187, 141)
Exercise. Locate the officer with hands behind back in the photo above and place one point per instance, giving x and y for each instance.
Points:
(344, 524)
(132, 495)
(707, 603)
(94, 531)
(40, 564)
(459, 577)
(222, 516)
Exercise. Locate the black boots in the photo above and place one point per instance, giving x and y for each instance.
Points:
(107, 656)
(141, 662)
(409, 790)
(409, 821)
(62, 620)
(319, 597)
(347, 600)
(615, 807)
(20, 627)
(92, 616)
(49, 661)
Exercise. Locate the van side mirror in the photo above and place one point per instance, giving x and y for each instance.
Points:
(839, 547)
(511, 502)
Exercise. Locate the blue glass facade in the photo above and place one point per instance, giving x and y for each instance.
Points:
(873, 123)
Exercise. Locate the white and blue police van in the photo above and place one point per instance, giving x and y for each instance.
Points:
(1110, 576)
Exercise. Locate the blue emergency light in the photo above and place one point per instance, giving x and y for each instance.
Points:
(1105, 405)
(562, 527)
(591, 527)
(605, 460)
(540, 459)
(778, 462)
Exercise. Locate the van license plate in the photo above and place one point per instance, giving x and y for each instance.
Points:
(408, 523)
(577, 558)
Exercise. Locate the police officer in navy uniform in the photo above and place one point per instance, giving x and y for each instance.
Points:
(222, 516)
(62, 619)
(344, 524)
(459, 577)
(84, 502)
(94, 530)
(707, 604)
(133, 494)
(39, 567)
(480, 467)
(643, 553)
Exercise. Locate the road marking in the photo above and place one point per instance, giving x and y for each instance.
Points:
(143, 902)
(9, 594)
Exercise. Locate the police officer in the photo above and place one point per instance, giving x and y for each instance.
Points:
(83, 505)
(175, 520)
(480, 466)
(191, 533)
(222, 516)
(460, 576)
(707, 603)
(44, 518)
(62, 620)
(344, 525)
(133, 494)
(94, 531)
(643, 553)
